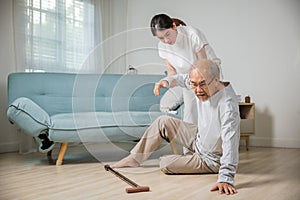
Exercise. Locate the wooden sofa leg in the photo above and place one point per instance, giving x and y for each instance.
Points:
(62, 152)
(174, 147)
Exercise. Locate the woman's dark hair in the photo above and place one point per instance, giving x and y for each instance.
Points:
(162, 21)
(178, 22)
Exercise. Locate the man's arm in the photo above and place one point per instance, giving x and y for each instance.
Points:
(230, 134)
(181, 80)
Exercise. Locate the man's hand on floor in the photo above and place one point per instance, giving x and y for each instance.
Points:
(224, 188)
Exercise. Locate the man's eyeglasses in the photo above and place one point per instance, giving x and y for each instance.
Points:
(201, 85)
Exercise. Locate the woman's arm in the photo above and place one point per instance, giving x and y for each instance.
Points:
(202, 54)
(171, 70)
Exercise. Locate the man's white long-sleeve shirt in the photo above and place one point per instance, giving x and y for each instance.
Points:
(217, 140)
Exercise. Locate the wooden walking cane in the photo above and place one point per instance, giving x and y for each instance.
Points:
(135, 187)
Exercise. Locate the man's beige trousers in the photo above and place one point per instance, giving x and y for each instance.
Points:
(168, 128)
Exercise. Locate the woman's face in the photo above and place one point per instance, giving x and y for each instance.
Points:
(167, 36)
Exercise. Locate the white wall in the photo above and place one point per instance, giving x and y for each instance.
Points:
(259, 44)
(8, 134)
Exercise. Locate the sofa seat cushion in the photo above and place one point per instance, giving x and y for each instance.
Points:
(100, 126)
(81, 126)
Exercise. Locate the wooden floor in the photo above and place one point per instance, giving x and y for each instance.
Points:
(264, 173)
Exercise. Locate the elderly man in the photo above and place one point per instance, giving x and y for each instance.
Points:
(213, 143)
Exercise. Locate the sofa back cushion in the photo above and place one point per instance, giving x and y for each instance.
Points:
(66, 93)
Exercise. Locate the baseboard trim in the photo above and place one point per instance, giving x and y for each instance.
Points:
(254, 141)
(9, 147)
(269, 142)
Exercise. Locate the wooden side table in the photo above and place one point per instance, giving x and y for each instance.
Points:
(247, 126)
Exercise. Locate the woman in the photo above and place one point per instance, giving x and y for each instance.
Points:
(180, 46)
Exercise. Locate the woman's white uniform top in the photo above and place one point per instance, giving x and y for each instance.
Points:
(183, 53)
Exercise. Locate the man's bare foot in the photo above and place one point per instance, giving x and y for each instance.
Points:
(126, 162)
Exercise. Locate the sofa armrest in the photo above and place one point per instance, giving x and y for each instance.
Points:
(28, 116)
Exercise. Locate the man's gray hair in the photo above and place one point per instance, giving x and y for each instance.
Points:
(212, 68)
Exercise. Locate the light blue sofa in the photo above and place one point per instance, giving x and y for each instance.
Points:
(83, 107)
